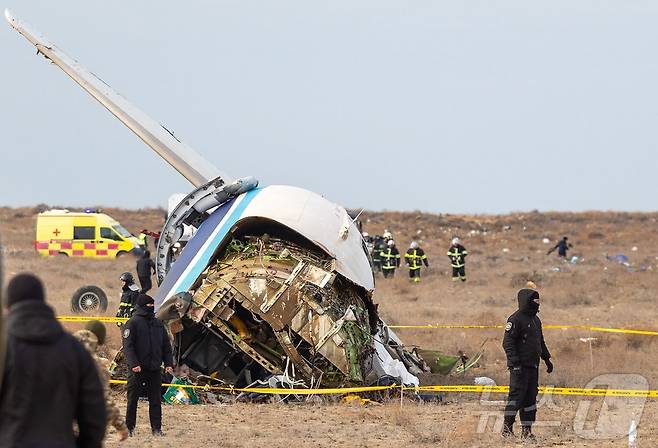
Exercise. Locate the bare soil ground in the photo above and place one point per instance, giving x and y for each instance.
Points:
(505, 252)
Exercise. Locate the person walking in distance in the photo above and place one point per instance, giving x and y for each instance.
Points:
(390, 259)
(378, 247)
(415, 258)
(524, 346)
(562, 247)
(145, 269)
(457, 255)
(50, 381)
(146, 346)
(92, 337)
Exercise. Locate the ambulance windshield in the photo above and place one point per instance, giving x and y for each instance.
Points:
(121, 231)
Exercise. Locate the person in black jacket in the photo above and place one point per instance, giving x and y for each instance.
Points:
(415, 257)
(562, 247)
(524, 345)
(145, 268)
(146, 347)
(390, 259)
(129, 293)
(50, 380)
(457, 255)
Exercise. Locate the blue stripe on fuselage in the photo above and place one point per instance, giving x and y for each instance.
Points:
(232, 212)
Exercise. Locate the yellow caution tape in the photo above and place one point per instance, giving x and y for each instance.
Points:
(549, 327)
(547, 390)
(427, 327)
(447, 326)
(88, 318)
(278, 391)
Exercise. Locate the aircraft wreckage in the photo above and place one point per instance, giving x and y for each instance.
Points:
(275, 280)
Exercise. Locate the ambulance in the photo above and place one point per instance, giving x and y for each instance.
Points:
(86, 234)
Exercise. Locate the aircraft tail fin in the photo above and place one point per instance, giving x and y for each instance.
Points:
(184, 159)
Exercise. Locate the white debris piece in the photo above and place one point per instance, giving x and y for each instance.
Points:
(484, 381)
(391, 366)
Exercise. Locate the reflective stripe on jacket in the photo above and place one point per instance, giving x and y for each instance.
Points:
(415, 258)
(457, 255)
(390, 258)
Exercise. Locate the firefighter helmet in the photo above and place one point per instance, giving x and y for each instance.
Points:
(127, 277)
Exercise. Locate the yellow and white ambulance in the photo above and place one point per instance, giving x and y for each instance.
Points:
(90, 235)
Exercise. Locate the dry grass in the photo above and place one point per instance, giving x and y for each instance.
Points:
(593, 292)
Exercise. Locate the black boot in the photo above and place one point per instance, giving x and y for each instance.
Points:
(526, 434)
(507, 428)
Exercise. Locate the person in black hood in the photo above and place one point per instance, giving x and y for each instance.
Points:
(524, 346)
(146, 347)
(50, 380)
(145, 268)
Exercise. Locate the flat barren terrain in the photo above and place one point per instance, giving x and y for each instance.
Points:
(505, 252)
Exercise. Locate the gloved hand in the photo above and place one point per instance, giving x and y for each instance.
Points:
(549, 365)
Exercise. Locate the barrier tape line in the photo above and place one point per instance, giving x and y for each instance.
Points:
(276, 391)
(87, 319)
(546, 390)
(428, 327)
(548, 327)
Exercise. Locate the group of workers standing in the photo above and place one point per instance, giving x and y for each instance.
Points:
(386, 257)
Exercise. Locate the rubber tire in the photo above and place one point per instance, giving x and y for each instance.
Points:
(101, 297)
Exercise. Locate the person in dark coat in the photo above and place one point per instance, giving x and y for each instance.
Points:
(146, 347)
(50, 380)
(129, 294)
(379, 245)
(390, 259)
(524, 346)
(457, 255)
(415, 258)
(562, 247)
(145, 268)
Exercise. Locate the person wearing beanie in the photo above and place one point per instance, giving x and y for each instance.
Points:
(146, 346)
(524, 346)
(50, 380)
(93, 336)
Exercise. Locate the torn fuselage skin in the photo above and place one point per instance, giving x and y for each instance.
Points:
(271, 300)
(263, 299)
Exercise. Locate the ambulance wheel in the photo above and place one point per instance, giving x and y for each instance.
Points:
(88, 300)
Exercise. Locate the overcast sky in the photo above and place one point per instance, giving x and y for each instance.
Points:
(479, 106)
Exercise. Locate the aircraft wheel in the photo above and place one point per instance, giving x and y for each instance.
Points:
(88, 300)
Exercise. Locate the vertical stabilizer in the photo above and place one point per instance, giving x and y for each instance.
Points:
(184, 159)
